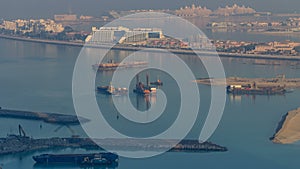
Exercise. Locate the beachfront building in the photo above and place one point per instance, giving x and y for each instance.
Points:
(106, 34)
(33, 26)
(276, 48)
(141, 34)
(234, 10)
(9, 25)
(193, 11)
(123, 35)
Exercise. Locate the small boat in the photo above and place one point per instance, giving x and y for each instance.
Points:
(110, 90)
(102, 88)
(157, 83)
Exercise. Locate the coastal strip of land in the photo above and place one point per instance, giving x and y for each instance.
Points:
(149, 49)
(46, 117)
(288, 130)
(16, 144)
(289, 83)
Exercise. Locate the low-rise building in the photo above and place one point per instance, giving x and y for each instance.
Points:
(65, 17)
(9, 25)
(122, 35)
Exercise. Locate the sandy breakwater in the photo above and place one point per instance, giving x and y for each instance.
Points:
(289, 83)
(288, 130)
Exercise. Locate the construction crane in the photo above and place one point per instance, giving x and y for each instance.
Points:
(21, 131)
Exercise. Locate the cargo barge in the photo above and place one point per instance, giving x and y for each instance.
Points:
(254, 90)
(102, 158)
(111, 65)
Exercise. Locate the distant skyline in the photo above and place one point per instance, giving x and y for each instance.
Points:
(12, 9)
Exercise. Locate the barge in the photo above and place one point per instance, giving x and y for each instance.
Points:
(254, 90)
(142, 89)
(102, 158)
(111, 65)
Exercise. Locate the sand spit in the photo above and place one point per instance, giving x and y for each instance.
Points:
(260, 82)
(288, 130)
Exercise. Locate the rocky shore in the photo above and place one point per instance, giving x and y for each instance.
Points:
(16, 144)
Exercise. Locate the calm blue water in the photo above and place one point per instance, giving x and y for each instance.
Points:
(38, 77)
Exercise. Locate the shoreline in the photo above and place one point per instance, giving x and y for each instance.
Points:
(175, 51)
(277, 33)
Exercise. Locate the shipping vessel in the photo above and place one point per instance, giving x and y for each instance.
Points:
(102, 158)
(254, 90)
(111, 65)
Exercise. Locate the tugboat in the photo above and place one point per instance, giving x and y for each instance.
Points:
(102, 88)
(110, 90)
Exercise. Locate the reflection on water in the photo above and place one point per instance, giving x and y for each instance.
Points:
(144, 102)
(235, 98)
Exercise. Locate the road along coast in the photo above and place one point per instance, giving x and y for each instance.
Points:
(149, 49)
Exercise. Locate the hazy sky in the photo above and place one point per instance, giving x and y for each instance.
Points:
(47, 8)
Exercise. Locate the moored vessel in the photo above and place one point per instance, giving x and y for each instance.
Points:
(142, 89)
(102, 158)
(111, 65)
(254, 90)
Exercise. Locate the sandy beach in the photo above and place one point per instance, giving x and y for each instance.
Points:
(289, 129)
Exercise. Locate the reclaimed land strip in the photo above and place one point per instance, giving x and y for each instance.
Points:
(288, 130)
(260, 82)
(176, 51)
(46, 117)
(16, 144)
